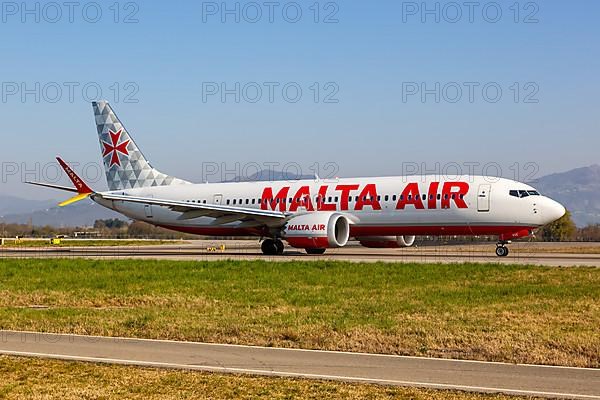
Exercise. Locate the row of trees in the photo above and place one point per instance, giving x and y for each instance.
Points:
(564, 229)
(106, 228)
(26, 230)
(135, 229)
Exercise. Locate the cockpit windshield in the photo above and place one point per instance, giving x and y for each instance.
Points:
(523, 193)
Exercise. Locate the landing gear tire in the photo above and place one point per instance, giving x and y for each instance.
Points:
(315, 251)
(269, 247)
(501, 251)
(279, 246)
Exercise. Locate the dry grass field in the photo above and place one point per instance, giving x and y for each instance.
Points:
(48, 379)
(511, 313)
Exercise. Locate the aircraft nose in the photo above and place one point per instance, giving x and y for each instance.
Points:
(553, 210)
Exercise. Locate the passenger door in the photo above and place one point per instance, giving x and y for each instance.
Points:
(148, 209)
(218, 199)
(483, 198)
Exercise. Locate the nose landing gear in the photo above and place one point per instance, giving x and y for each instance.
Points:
(501, 249)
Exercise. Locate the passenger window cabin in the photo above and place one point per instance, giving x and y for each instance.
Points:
(335, 199)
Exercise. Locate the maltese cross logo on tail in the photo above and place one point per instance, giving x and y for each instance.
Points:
(114, 148)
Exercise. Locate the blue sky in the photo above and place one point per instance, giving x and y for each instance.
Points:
(368, 61)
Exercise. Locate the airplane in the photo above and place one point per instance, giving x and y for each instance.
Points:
(312, 214)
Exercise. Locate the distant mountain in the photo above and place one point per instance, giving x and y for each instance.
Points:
(81, 214)
(578, 190)
(16, 205)
(270, 175)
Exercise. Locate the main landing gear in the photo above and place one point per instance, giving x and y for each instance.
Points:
(501, 249)
(272, 247)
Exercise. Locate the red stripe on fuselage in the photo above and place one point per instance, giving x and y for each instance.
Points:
(371, 230)
(437, 230)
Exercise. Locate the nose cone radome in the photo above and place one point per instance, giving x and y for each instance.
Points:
(553, 210)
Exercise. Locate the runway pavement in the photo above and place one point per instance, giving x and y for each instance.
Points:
(550, 254)
(544, 381)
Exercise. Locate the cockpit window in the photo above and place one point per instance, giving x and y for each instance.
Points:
(523, 193)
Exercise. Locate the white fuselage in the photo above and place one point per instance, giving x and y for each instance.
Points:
(401, 205)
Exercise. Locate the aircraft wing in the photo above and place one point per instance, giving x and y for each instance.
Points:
(223, 214)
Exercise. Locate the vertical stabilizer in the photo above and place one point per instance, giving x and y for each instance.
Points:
(125, 165)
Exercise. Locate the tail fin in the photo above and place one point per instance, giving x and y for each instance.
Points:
(125, 165)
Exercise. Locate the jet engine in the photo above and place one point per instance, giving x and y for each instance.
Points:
(317, 230)
(387, 242)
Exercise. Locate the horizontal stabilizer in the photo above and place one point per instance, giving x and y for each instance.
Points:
(49, 185)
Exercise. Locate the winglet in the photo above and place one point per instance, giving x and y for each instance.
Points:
(83, 189)
(80, 185)
(74, 199)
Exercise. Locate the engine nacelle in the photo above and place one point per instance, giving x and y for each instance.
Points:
(387, 242)
(318, 230)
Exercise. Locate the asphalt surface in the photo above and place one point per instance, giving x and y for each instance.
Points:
(549, 254)
(543, 381)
